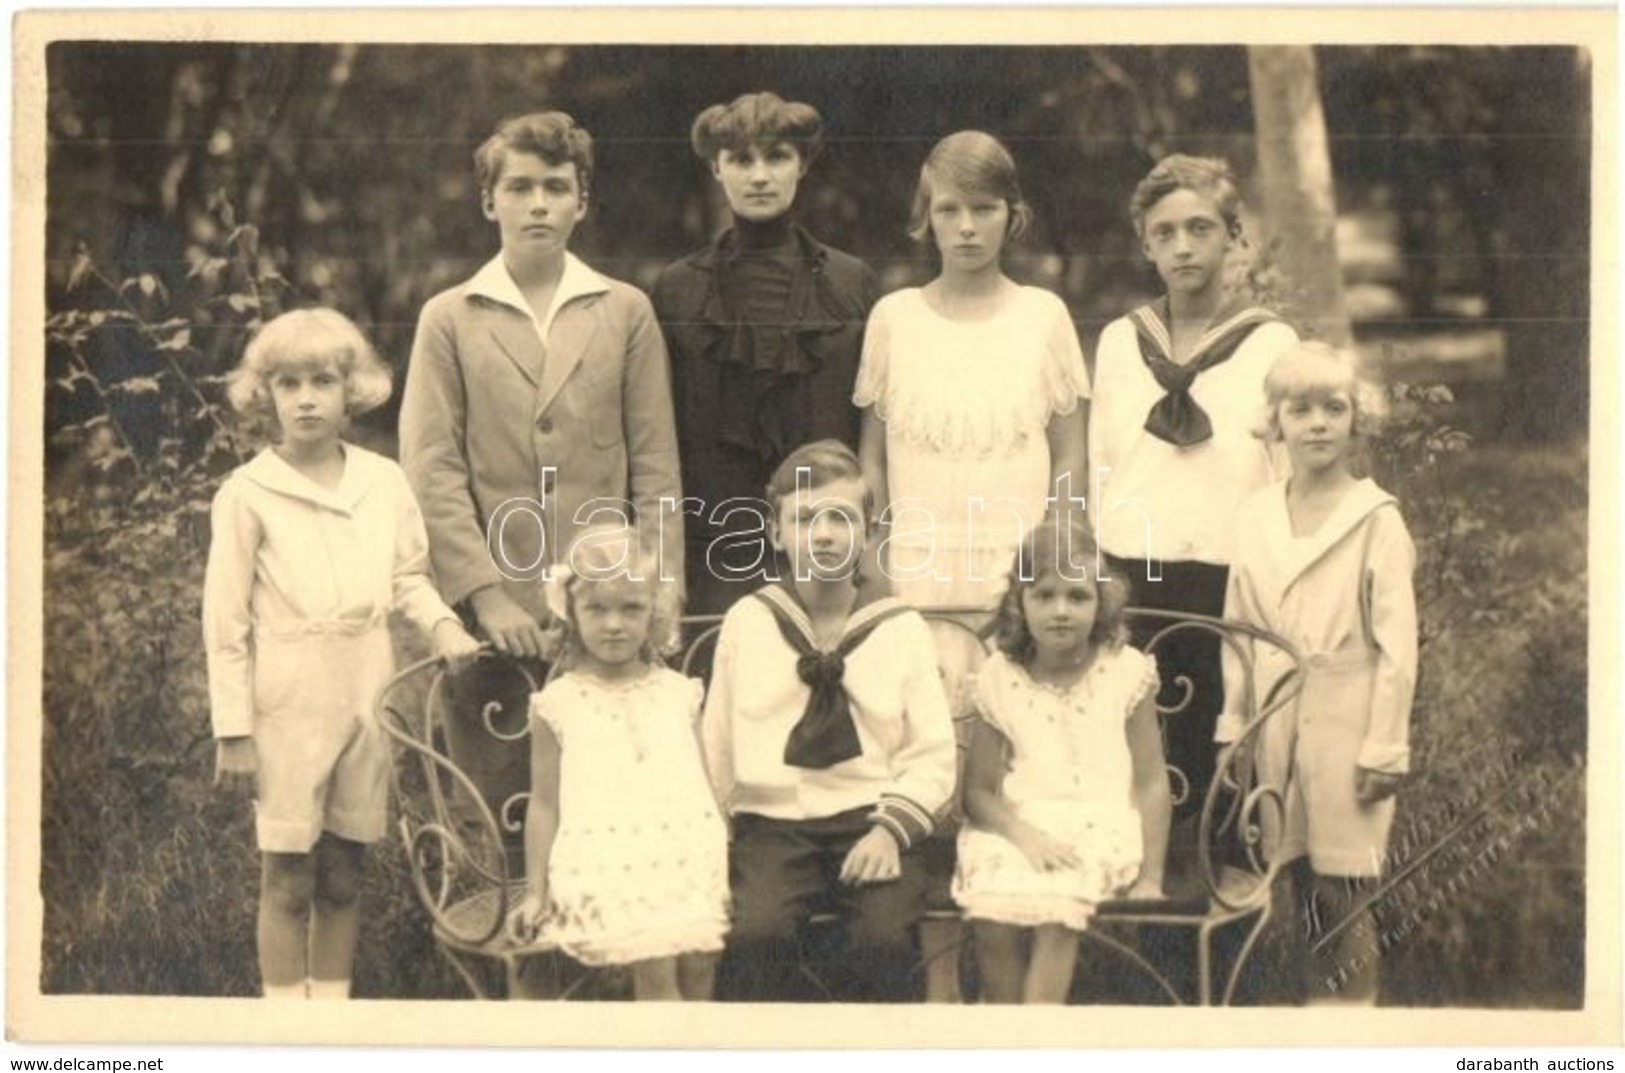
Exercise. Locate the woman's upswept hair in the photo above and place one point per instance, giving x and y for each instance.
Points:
(976, 163)
(758, 119)
(1208, 176)
(306, 338)
(609, 553)
(1063, 545)
(1315, 369)
(553, 136)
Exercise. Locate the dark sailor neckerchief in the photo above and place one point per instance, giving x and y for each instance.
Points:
(1177, 418)
(825, 735)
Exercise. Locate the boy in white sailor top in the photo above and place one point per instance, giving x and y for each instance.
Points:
(1171, 442)
(828, 740)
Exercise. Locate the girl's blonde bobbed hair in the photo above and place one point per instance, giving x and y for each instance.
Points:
(1312, 369)
(302, 338)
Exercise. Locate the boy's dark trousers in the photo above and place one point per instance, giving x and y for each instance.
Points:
(784, 871)
(1194, 654)
(485, 715)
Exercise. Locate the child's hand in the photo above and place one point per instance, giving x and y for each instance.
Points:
(1373, 786)
(875, 859)
(236, 766)
(525, 922)
(1043, 852)
(1145, 889)
(454, 644)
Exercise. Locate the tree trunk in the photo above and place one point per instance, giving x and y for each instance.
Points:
(1541, 290)
(1295, 172)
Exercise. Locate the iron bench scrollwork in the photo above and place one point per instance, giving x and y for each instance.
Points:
(465, 851)
(1236, 879)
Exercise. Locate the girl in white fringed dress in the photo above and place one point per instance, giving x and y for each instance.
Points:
(974, 397)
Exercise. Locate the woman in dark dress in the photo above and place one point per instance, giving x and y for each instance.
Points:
(765, 329)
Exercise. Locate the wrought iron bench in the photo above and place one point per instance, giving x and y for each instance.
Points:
(466, 860)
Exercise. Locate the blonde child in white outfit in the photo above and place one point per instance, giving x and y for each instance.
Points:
(625, 848)
(1065, 788)
(314, 542)
(1323, 559)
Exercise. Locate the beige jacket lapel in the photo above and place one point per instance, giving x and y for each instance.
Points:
(512, 327)
(569, 327)
(515, 335)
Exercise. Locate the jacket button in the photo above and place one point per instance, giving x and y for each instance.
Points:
(544, 425)
(547, 482)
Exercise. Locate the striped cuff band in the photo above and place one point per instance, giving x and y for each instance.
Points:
(907, 821)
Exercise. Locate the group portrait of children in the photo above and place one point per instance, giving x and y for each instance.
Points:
(768, 440)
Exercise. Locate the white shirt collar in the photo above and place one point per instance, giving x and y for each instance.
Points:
(494, 282)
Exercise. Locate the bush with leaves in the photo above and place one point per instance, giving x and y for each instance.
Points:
(1500, 709)
(148, 879)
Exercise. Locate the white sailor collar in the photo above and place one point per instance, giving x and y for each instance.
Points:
(1296, 556)
(363, 472)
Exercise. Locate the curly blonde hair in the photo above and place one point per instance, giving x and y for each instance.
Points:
(1315, 369)
(305, 338)
(1041, 555)
(613, 553)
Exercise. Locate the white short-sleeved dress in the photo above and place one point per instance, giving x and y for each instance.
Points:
(639, 867)
(1071, 775)
(966, 406)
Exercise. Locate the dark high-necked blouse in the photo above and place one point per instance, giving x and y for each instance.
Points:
(765, 330)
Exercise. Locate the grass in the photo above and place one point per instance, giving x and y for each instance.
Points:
(149, 880)
(1496, 917)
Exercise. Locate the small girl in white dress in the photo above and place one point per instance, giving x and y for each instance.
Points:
(625, 849)
(1066, 791)
(973, 389)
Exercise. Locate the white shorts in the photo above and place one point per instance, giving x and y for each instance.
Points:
(323, 759)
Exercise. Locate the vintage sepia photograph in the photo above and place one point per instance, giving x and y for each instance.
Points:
(786, 511)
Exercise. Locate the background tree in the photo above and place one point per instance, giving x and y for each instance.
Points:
(195, 188)
(1295, 171)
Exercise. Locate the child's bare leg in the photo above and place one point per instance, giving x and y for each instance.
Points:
(1053, 962)
(335, 911)
(1344, 969)
(655, 980)
(287, 881)
(999, 961)
(697, 975)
